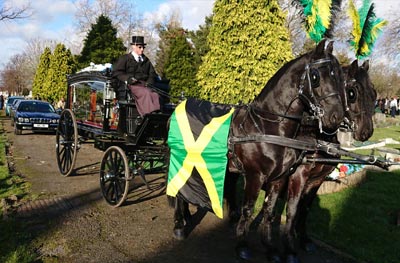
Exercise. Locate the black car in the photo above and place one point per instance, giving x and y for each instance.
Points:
(10, 101)
(13, 108)
(35, 115)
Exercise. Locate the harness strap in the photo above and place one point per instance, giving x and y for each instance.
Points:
(255, 109)
(286, 142)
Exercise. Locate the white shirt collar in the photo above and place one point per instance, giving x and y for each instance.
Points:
(136, 56)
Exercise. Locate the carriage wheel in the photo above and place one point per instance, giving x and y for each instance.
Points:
(66, 142)
(114, 176)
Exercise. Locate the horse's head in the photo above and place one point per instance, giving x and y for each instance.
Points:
(361, 97)
(322, 87)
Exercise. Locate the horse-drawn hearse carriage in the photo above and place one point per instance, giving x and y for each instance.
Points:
(94, 104)
(265, 139)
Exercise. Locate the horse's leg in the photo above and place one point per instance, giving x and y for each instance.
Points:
(309, 194)
(301, 226)
(294, 192)
(272, 194)
(230, 186)
(252, 189)
(181, 218)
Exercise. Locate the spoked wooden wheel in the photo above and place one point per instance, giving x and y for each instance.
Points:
(114, 176)
(66, 142)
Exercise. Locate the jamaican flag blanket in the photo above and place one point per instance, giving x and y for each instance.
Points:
(197, 139)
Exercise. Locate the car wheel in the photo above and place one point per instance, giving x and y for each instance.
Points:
(17, 131)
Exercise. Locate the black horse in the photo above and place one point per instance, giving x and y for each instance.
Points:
(310, 87)
(305, 182)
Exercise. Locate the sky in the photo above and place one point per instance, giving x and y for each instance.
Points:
(53, 19)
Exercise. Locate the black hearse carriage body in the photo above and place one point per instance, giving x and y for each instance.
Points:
(92, 113)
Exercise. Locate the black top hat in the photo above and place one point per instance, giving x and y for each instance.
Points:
(138, 40)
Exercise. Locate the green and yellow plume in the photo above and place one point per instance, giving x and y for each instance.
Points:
(366, 28)
(318, 16)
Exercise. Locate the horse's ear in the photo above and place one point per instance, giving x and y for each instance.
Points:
(319, 51)
(365, 65)
(329, 48)
(353, 68)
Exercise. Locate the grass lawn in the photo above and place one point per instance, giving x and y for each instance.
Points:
(362, 220)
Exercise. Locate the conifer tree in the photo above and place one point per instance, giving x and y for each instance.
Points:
(41, 73)
(61, 64)
(199, 39)
(167, 32)
(101, 44)
(181, 66)
(248, 43)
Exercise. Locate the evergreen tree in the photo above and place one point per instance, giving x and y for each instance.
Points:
(167, 32)
(101, 44)
(199, 39)
(41, 73)
(61, 64)
(181, 67)
(248, 43)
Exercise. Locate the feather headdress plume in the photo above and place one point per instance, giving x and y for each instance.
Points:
(318, 16)
(366, 28)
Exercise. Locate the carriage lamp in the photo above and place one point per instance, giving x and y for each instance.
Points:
(109, 92)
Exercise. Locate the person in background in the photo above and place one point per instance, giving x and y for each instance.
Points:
(60, 104)
(138, 72)
(1, 101)
(393, 107)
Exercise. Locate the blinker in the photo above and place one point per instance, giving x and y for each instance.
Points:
(314, 78)
(351, 95)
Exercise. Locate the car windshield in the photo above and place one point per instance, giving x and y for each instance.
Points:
(11, 100)
(36, 107)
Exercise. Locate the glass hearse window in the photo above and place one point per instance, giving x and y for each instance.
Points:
(87, 100)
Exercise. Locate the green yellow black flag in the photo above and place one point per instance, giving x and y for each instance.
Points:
(197, 139)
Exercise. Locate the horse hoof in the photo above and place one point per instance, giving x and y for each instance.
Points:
(310, 247)
(244, 253)
(179, 234)
(292, 259)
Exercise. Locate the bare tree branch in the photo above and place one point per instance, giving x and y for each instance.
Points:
(9, 13)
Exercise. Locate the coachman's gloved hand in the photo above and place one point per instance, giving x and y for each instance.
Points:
(132, 80)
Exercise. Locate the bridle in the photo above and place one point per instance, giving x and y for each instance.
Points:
(311, 74)
(349, 120)
(306, 94)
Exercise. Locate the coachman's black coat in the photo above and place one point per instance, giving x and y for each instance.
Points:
(127, 67)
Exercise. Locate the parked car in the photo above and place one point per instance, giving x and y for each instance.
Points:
(10, 101)
(35, 115)
(13, 108)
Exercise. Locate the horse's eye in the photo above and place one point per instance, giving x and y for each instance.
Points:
(314, 77)
(351, 95)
